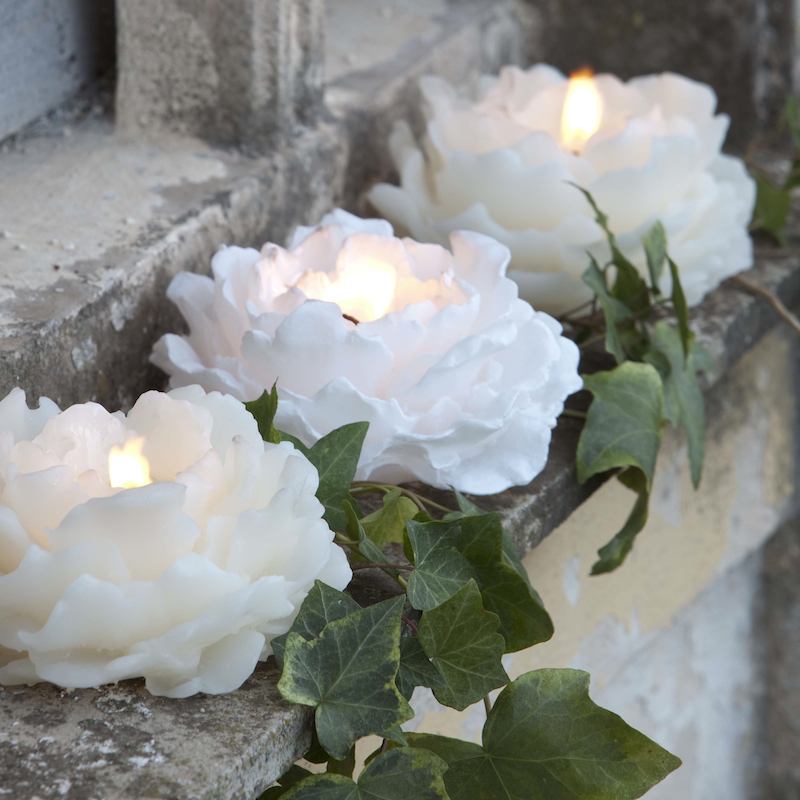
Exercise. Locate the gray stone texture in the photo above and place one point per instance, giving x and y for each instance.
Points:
(779, 624)
(234, 71)
(48, 50)
(121, 743)
(743, 48)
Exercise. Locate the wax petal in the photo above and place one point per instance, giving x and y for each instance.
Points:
(455, 358)
(100, 584)
(24, 423)
(147, 524)
(493, 162)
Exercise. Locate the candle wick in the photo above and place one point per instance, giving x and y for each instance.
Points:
(352, 319)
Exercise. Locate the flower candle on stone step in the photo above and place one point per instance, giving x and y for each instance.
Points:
(460, 380)
(172, 544)
(503, 163)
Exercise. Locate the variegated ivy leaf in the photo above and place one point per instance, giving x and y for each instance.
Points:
(400, 774)
(546, 740)
(348, 676)
(461, 639)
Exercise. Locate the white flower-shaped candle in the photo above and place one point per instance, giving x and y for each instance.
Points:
(460, 380)
(502, 163)
(172, 544)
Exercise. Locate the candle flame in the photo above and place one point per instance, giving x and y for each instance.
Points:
(583, 110)
(127, 467)
(363, 290)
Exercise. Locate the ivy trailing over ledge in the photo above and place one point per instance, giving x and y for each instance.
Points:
(654, 384)
(463, 601)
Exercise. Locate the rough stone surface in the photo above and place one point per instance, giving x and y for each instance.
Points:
(779, 732)
(99, 223)
(234, 71)
(121, 742)
(48, 50)
(743, 48)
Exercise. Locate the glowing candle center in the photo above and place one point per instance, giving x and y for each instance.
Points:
(127, 467)
(583, 111)
(364, 290)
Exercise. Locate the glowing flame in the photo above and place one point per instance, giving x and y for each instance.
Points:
(127, 467)
(363, 290)
(583, 110)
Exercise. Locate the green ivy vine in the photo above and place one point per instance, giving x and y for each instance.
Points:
(655, 382)
(463, 600)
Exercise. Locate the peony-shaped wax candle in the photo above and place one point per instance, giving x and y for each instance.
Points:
(172, 544)
(502, 163)
(460, 380)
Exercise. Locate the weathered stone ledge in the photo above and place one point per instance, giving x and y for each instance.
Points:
(121, 742)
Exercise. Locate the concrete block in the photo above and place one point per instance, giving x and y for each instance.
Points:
(232, 71)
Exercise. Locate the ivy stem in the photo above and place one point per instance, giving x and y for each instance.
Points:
(568, 412)
(783, 312)
(373, 565)
(598, 337)
(571, 313)
(402, 581)
(364, 487)
(384, 745)
(411, 624)
(487, 704)
(341, 539)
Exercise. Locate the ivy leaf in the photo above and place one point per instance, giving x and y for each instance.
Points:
(400, 774)
(614, 311)
(624, 423)
(792, 117)
(681, 309)
(367, 549)
(545, 739)
(793, 178)
(614, 553)
(772, 209)
(440, 570)
(264, 410)
(655, 249)
(629, 287)
(600, 217)
(336, 457)
(394, 734)
(388, 523)
(323, 604)
(287, 437)
(467, 507)
(460, 638)
(504, 583)
(348, 675)
(416, 668)
(290, 778)
(344, 767)
(623, 429)
(683, 398)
